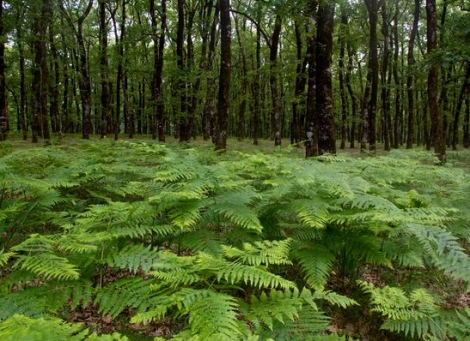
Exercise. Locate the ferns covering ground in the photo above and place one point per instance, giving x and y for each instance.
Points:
(115, 241)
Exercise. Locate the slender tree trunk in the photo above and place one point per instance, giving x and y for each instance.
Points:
(224, 78)
(396, 79)
(209, 110)
(244, 87)
(40, 85)
(84, 82)
(460, 101)
(373, 7)
(311, 117)
(184, 128)
(300, 81)
(385, 87)
(104, 68)
(436, 117)
(352, 95)
(276, 113)
(3, 89)
(256, 89)
(54, 84)
(409, 79)
(341, 67)
(466, 123)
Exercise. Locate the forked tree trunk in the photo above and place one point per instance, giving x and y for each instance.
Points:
(84, 82)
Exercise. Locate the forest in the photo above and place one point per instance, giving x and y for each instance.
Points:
(259, 170)
(360, 72)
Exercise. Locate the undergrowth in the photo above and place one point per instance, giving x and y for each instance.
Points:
(100, 238)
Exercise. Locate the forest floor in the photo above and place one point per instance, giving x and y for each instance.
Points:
(352, 321)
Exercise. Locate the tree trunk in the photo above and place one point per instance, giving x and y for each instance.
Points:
(436, 118)
(104, 68)
(209, 110)
(324, 87)
(465, 88)
(256, 89)
(276, 113)
(40, 85)
(385, 84)
(84, 82)
(341, 69)
(54, 84)
(300, 81)
(409, 79)
(311, 117)
(244, 87)
(373, 7)
(3, 90)
(224, 78)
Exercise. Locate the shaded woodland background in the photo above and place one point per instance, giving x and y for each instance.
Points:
(361, 72)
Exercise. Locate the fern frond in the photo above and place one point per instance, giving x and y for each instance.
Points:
(266, 252)
(316, 261)
(312, 213)
(22, 302)
(5, 256)
(134, 258)
(444, 249)
(215, 315)
(19, 327)
(258, 277)
(48, 266)
(124, 293)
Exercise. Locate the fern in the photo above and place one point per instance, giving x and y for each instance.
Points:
(416, 314)
(20, 327)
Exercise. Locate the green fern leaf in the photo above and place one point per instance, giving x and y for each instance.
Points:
(49, 266)
(266, 252)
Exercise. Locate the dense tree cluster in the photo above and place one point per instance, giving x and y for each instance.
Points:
(314, 71)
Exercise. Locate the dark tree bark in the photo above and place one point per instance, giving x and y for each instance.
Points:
(22, 124)
(159, 121)
(437, 126)
(256, 89)
(224, 77)
(373, 7)
(300, 82)
(3, 88)
(352, 95)
(210, 110)
(341, 69)
(466, 122)
(184, 120)
(409, 78)
(54, 84)
(273, 80)
(105, 123)
(463, 91)
(40, 124)
(84, 82)
(398, 122)
(311, 117)
(244, 86)
(387, 121)
(324, 87)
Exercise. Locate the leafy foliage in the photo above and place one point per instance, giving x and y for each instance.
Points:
(239, 247)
